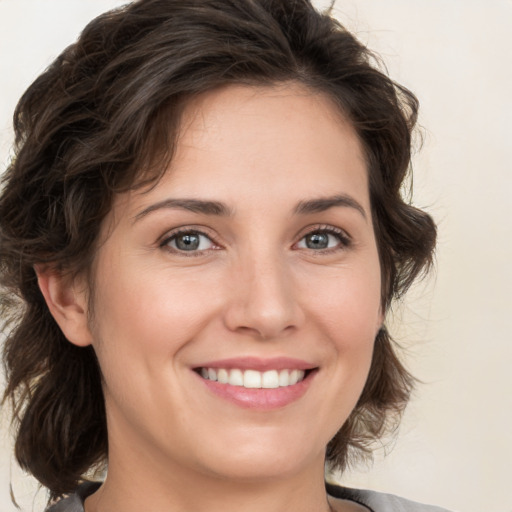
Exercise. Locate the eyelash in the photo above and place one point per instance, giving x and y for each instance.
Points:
(344, 240)
(164, 244)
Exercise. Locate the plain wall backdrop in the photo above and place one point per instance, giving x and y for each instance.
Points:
(454, 447)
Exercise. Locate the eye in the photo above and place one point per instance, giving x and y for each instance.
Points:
(322, 239)
(188, 241)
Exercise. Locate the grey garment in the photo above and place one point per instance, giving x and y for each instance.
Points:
(380, 502)
(75, 502)
(373, 501)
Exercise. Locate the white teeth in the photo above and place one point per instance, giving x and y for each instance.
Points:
(270, 379)
(284, 378)
(223, 376)
(236, 378)
(253, 379)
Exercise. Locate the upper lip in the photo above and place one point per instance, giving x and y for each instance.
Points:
(259, 364)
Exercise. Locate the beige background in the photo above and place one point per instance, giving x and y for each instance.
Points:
(455, 446)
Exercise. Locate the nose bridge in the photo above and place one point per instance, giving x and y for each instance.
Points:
(263, 299)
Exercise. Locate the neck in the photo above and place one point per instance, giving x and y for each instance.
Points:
(152, 485)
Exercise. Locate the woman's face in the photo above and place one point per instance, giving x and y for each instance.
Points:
(251, 264)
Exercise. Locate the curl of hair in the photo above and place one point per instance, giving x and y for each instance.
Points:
(103, 118)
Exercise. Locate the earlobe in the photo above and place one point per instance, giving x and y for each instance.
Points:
(67, 302)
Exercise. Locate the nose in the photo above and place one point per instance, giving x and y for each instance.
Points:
(263, 299)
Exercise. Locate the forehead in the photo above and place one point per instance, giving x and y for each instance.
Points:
(286, 140)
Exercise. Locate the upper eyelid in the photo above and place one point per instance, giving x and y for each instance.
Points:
(202, 230)
(171, 233)
(164, 243)
(345, 240)
(325, 228)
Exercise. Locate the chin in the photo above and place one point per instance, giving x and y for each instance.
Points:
(263, 459)
(260, 468)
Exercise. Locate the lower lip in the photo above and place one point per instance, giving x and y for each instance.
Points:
(260, 398)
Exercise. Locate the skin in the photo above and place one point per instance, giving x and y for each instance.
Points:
(254, 288)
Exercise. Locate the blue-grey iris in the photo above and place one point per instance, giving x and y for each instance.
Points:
(317, 241)
(189, 242)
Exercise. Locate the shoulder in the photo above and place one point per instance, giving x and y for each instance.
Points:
(380, 502)
(74, 502)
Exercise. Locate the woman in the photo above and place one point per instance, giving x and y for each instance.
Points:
(202, 231)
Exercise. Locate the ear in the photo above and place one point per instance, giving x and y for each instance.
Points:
(66, 299)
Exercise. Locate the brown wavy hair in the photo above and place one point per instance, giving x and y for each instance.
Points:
(103, 118)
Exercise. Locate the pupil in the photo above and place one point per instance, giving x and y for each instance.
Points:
(317, 241)
(187, 242)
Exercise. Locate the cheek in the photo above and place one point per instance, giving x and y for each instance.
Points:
(346, 310)
(150, 312)
(347, 305)
(144, 320)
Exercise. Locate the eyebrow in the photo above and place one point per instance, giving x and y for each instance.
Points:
(325, 203)
(192, 205)
(217, 208)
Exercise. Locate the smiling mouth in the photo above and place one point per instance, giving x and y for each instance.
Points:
(253, 379)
